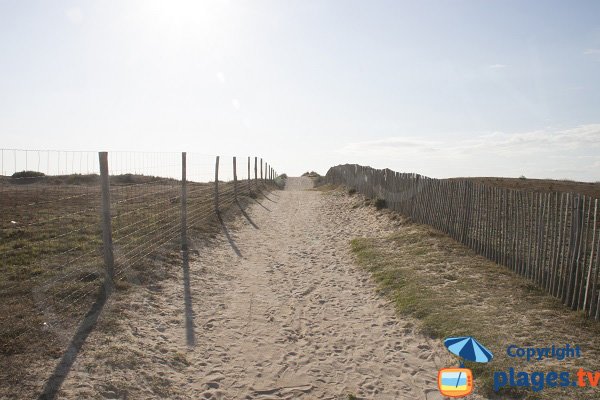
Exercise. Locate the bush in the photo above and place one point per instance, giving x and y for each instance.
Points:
(125, 178)
(27, 176)
(311, 174)
(79, 179)
(379, 203)
(351, 191)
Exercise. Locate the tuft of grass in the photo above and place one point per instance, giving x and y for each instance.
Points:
(160, 386)
(179, 360)
(352, 191)
(454, 292)
(325, 188)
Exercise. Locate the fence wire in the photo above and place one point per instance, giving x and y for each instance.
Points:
(52, 252)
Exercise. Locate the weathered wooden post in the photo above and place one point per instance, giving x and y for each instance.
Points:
(107, 244)
(249, 189)
(591, 260)
(235, 179)
(217, 185)
(184, 246)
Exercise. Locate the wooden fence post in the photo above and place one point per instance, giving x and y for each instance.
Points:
(581, 251)
(255, 170)
(595, 306)
(184, 246)
(589, 274)
(249, 189)
(235, 188)
(573, 245)
(552, 239)
(586, 225)
(261, 169)
(217, 184)
(107, 244)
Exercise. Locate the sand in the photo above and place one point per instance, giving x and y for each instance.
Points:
(280, 311)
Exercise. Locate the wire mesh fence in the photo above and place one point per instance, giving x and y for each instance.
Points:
(71, 229)
(50, 248)
(551, 238)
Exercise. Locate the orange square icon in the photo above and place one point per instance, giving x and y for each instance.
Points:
(455, 382)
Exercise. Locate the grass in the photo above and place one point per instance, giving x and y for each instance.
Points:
(281, 180)
(311, 174)
(328, 187)
(454, 292)
(541, 185)
(51, 264)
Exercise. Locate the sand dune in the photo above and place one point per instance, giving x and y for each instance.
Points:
(280, 312)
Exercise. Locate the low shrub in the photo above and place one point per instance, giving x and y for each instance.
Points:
(27, 176)
(379, 203)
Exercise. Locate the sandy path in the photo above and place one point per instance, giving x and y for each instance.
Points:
(289, 316)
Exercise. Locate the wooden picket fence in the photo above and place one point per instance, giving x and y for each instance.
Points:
(552, 239)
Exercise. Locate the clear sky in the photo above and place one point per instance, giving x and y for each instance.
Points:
(443, 88)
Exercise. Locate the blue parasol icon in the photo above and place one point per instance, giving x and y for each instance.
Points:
(468, 348)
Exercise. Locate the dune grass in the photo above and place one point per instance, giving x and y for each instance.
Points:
(455, 292)
(51, 264)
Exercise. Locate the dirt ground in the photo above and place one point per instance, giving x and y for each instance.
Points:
(280, 311)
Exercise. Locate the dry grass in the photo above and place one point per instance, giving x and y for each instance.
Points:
(455, 292)
(541, 185)
(51, 262)
(325, 188)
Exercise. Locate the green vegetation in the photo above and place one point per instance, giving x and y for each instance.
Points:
(326, 187)
(379, 203)
(51, 253)
(311, 174)
(27, 174)
(454, 292)
(281, 180)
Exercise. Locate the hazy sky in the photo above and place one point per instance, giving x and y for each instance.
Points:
(443, 88)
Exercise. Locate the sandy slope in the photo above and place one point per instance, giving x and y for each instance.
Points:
(289, 317)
